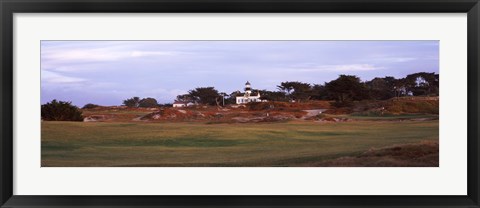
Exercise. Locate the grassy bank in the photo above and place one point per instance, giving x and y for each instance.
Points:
(198, 144)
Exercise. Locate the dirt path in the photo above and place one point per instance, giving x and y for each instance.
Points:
(313, 112)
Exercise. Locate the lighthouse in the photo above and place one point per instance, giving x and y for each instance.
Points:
(248, 95)
(248, 89)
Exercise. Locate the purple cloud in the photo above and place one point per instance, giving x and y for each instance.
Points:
(106, 72)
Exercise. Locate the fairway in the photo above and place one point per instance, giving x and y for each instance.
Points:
(174, 144)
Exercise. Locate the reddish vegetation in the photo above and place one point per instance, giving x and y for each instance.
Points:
(222, 115)
(114, 113)
(285, 106)
(426, 105)
(253, 112)
(424, 154)
(394, 106)
(413, 106)
(264, 111)
(339, 111)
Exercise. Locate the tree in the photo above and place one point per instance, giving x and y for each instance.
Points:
(60, 111)
(345, 89)
(381, 88)
(232, 98)
(422, 83)
(148, 103)
(184, 98)
(400, 87)
(301, 91)
(436, 85)
(286, 87)
(132, 102)
(224, 97)
(272, 95)
(296, 90)
(319, 92)
(205, 95)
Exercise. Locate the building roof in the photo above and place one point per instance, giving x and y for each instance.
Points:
(248, 83)
(253, 94)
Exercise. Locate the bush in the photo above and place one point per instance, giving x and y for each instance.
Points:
(372, 113)
(148, 103)
(339, 104)
(320, 116)
(412, 106)
(90, 106)
(132, 102)
(267, 105)
(60, 111)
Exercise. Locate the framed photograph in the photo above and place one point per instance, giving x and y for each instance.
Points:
(268, 103)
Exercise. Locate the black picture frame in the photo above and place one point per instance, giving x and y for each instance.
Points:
(9, 7)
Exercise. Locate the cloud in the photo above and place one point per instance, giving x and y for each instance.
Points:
(79, 55)
(392, 58)
(82, 56)
(153, 53)
(165, 94)
(115, 70)
(56, 78)
(339, 67)
(397, 59)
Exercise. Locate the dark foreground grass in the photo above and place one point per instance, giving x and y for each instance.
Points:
(299, 143)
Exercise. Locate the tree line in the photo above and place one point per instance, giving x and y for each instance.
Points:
(144, 102)
(343, 90)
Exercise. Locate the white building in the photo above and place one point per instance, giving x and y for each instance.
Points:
(178, 104)
(248, 96)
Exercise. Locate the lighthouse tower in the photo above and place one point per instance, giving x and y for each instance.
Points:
(248, 96)
(248, 89)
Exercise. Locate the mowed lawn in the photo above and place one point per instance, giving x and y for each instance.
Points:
(79, 144)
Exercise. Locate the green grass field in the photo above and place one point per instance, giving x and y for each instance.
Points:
(295, 143)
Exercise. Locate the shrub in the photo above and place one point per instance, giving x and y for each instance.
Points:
(148, 103)
(339, 104)
(338, 111)
(372, 113)
(132, 102)
(267, 105)
(60, 111)
(90, 106)
(412, 106)
(320, 116)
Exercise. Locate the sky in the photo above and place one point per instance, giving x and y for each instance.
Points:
(108, 72)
